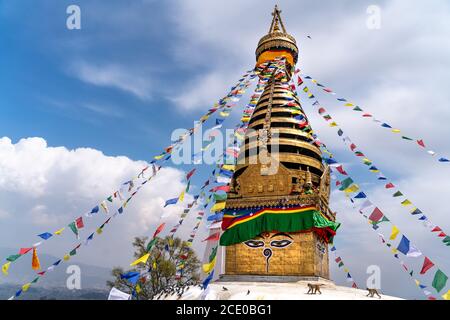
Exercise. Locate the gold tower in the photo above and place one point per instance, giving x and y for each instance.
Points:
(279, 129)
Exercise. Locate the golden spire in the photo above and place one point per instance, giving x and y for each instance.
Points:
(277, 40)
(276, 21)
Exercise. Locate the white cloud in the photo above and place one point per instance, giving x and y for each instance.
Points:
(44, 188)
(114, 76)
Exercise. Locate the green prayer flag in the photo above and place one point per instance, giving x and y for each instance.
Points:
(109, 199)
(345, 183)
(73, 252)
(73, 227)
(213, 254)
(439, 281)
(35, 280)
(188, 185)
(397, 194)
(13, 257)
(220, 197)
(406, 138)
(357, 108)
(340, 264)
(446, 239)
(151, 243)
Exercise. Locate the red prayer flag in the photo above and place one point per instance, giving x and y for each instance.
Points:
(431, 298)
(159, 229)
(366, 115)
(442, 235)
(389, 185)
(220, 188)
(427, 264)
(24, 250)
(354, 285)
(376, 215)
(353, 147)
(341, 170)
(436, 229)
(420, 143)
(299, 81)
(79, 222)
(213, 237)
(189, 175)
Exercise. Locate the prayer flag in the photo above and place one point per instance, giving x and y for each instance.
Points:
(5, 268)
(406, 202)
(142, 259)
(79, 222)
(439, 281)
(208, 267)
(74, 229)
(207, 280)
(427, 264)
(59, 231)
(218, 206)
(45, 235)
(171, 201)
(395, 231)
(213, 237)
(159, 229)
(189, 175)
(403, 246)
(376, 215)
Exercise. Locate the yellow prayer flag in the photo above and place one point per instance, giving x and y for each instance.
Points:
(346, 270)
(159, 157)
(394, 233)
(138, 288)
(333, 124)
(395, 130)
(394, 250)
(5, 268)
(218, 206)
(352, 188)
(417, 282)
(99, 230)
(26, 286)
(228, 167)
(348, 104)
(59, 231)
(208, 267)
(181, 198)
(446, 296)
(154, 265)
(66, 257)
(142, 259)
(406, 202)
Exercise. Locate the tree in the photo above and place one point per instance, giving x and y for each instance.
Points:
(159, 274)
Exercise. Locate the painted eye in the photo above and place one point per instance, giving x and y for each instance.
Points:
(254, 243)
(280, 243)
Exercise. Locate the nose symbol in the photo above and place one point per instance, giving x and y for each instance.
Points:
(267, 252)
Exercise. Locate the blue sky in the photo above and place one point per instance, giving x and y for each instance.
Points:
(135, 72)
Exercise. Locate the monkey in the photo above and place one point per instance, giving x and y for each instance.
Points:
(314, 288)
(372, 292)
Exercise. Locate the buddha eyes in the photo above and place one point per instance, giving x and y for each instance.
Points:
(254, 243)
(275, 243)
(280, 243)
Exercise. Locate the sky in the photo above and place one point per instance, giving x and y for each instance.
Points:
(83, 111)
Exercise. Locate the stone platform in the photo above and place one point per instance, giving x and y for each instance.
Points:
(258, 290)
